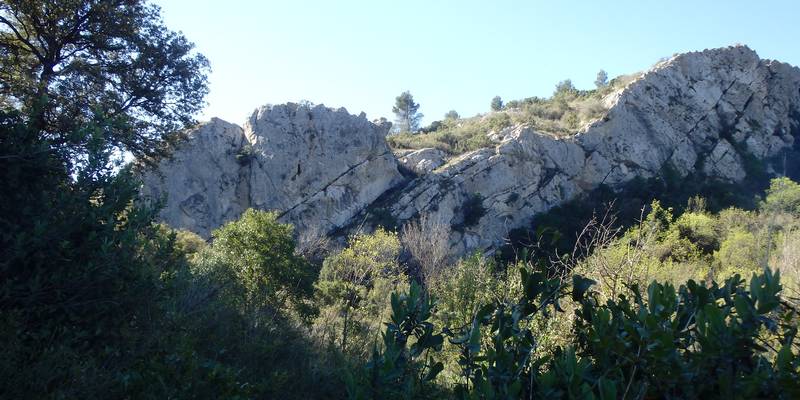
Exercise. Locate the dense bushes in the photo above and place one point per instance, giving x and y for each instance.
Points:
(255, 256)
(555, 232)
(78, 271)
(404, 367)
(454, 136)
(728, 340)
(353, 291)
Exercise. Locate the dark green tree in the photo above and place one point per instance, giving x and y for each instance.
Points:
(497, 103)
(565, 87)
(433, 127)
(112, 65)
(257, 253)
(406, 113)
(602, 79)
(81, 264)
(451, 115)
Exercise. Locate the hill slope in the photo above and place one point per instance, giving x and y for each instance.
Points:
(711, 114)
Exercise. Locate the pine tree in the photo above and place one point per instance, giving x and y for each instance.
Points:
(497, 103)
(602, 79)
(406, 113)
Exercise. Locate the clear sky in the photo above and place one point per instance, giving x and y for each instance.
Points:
(453, 54)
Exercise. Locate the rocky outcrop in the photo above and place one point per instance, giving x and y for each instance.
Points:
(316, 166)
(423, 161)
(706, 113)
(201, 186)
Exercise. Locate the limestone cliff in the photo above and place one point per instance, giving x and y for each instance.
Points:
(316, 166)
(701, 111)
(704, 112)
(201, 186)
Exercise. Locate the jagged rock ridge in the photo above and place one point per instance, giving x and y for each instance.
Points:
(704, 111)
(316, 166)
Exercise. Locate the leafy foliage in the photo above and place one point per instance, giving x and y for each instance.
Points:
(406, 113)
(94, 75)
(354, 287)
(451, 115)
(404, 368)
(496, 104)
(725, 341)
(783, 195)
(258, 255)
(86, 276)
(498, 368)
(721, 341)
(602, 79)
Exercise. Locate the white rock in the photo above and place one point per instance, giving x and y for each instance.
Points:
(201, 185)
(316, 166)
(725, 163)
(323, 168)
(673, 116)
(423, 161)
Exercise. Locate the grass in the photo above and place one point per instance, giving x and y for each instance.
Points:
(454, 136)
(561, 115)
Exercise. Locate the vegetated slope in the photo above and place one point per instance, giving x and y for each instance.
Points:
(718, 116)
(561, 115)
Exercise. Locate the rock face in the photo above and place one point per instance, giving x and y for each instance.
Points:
(316, 166)
(201, 186)
(423, 161)
(704, 112)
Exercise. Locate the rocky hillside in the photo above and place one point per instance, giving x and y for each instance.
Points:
(706, 113)
(317, 166)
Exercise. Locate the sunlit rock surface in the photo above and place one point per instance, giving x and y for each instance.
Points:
(327, 170)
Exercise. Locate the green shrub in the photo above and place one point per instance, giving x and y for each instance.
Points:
(783, 195)
(472, 210)
(353, 291)
(258, 256)
(739, 253)
(700, 229)
(404, 367)
(725, 340)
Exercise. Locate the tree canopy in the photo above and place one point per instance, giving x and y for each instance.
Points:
(406, 113)
(95, 75)
(84, 272)
(564, 87)
(497, 103)
(602, 79)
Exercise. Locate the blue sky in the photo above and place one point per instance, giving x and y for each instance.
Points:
(452, 54)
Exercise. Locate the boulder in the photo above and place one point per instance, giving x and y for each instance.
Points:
(423, 161)
(202, 185)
